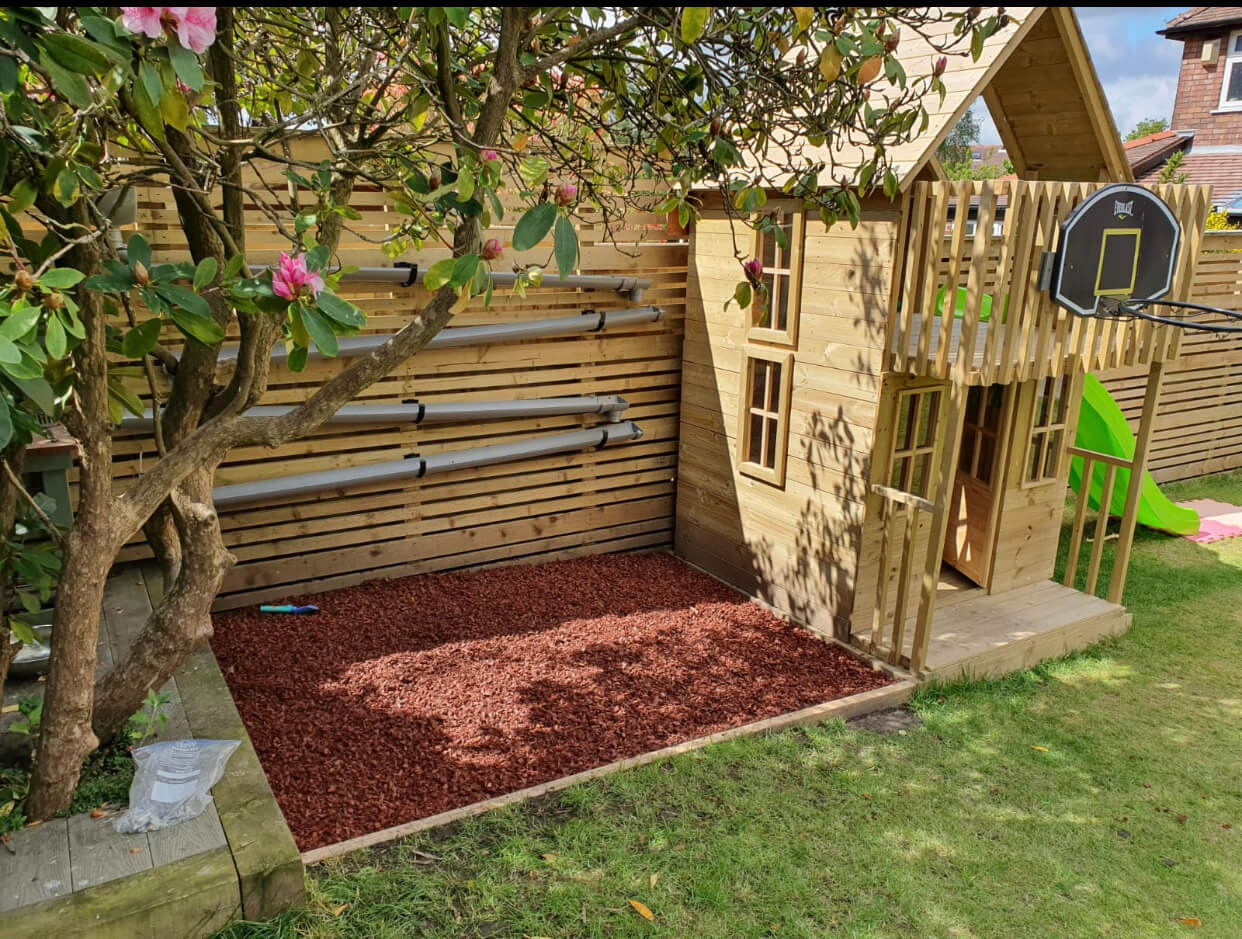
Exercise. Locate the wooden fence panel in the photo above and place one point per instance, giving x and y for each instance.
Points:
(1199, 423)
(616, 499)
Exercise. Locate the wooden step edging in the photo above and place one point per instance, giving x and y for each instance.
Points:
(877, 699)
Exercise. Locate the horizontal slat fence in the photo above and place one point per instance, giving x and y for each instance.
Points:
(1199, 423)
(615, 499)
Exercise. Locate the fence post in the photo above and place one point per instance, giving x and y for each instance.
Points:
(1138, 468)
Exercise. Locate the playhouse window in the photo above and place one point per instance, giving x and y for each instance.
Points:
(981, 432)
(1043, 457)
(765, 416)
(778, 246)
(1231, 84)
(914, 441)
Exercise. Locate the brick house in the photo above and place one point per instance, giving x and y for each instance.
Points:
(1207, 112)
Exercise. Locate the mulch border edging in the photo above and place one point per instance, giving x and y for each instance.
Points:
(865, 702)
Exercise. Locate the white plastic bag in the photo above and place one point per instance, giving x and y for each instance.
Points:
(172, 782)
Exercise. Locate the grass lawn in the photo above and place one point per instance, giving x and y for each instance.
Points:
(1098, 795)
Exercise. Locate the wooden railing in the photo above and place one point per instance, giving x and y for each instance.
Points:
(972, 298)
(1090, 460)
(899, 517)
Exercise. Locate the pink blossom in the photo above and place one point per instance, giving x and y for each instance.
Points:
(492, 249)
(143, 20)
(566, 193)
(291, 276)
(941, 64)
(196, 26)
(753, 269)
(489, 155)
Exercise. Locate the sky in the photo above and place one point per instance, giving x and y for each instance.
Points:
(1137, 68)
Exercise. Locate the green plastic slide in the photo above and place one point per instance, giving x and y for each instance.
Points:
(1103, 428)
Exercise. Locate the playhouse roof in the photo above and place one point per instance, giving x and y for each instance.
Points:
(1041, 89)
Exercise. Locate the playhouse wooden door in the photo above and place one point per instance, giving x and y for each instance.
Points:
(973, 502)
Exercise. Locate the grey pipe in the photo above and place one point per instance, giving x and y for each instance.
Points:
(446, 412)
(633, 286)
(227, 497)
(588, 321)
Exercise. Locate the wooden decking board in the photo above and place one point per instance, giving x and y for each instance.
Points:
(37, 866)
(975, 633)
(67, 855)
(98, 854)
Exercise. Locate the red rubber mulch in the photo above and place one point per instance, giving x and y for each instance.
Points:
(405, 698)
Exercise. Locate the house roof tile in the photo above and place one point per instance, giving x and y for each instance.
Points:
(1221, 171)
(1200, 19)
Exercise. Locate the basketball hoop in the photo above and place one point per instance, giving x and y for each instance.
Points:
(1117, 255)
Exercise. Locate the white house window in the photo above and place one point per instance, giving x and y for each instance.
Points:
(1231, 83)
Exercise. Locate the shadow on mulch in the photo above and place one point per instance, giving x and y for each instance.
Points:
(405, 698)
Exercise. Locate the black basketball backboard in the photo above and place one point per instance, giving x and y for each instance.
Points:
(1121, 243)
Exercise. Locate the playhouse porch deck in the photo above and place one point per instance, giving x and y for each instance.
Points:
(980, 635)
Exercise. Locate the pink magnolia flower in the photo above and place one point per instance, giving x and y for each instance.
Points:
(492, 249)
(941, 64)
(566, 193)
(291, 276)
(144, 21)
(487, 156)
(196, 26)
(753, 269)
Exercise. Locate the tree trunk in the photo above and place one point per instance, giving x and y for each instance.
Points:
(182, 621)
(66, 739)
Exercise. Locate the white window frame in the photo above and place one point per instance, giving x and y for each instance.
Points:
(1232, 60)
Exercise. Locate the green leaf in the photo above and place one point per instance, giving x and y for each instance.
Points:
(205, 273)
(19, 323)
(22, 196)
(204, 329)
(149, 115)
(340, 310)
(130, 401)
(22, 632)
(463, 270)
(533, 170)
(57, 344)
(69, 85)
(175, 110)
(188, 300)
(141, 339)
(77, 54)
(138, 252)
(693, 22)
(296, 359)
(534, 226)
(186, 65)
(68, 187)
(742, 295)
(6, 424)
(976, 45)
(9, 353)
(439, 274)
(40, 392)
(565, 246)
(149, 77)
(28, 369)
(61, 278)
(320, 330)
(456, 15)
(233, 267)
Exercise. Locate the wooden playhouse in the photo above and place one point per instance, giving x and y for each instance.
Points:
(888, 465)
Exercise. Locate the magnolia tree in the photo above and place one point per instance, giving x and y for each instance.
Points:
(562, 109)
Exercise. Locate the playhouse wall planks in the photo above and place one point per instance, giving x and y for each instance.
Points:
(796, 545)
